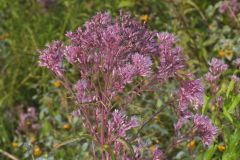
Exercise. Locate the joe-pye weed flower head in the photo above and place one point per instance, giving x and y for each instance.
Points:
(110, 54)
(204, 128)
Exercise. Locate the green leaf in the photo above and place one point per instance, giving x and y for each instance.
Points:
(222, 89)
(227, 115)
(232, 151)
(205, 105)
(73, 140)
(209, 153)
(230, 87)
(234, 104)
(126, 3)
(194, 5)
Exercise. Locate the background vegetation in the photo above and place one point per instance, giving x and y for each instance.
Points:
(27, 25)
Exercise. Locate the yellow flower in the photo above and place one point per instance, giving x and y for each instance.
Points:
(221, 53)
(157, 141)
(228, 54)
(193, 132)
(213, 108)
(67, 126)
(211, 26)
(14, 145)
(33, 139)
(191, 144)
(57, 83)
(152, 148)
(28, 122)
(144, 18)
(157, 118)
(221, 148)
(37, 151)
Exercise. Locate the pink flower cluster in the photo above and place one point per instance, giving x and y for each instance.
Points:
(217, 67)
(117, 128)
(205, 128)
(170, 56)
(110, 54)
(230, 7)
(119, 125)
(191, 93)
(52, 58)
(119, 50)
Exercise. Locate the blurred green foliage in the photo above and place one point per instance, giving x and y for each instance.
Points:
(26, 26)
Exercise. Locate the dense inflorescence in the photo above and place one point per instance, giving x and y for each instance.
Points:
(191, 93)
(204, 128)
(216, 69)
(119, 125)
(52, 58)
(109, 55)
(170, 56)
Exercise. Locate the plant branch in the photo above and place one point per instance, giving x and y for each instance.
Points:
(8, 155)
(148, 121)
